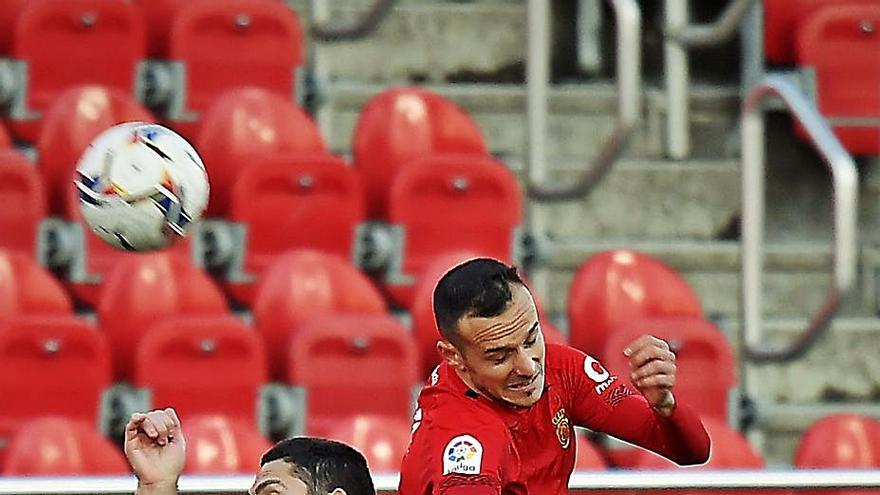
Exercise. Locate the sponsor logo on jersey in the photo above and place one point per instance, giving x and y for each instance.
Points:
(595, 370)
(435, 376)
(563, 428)
(462, 455)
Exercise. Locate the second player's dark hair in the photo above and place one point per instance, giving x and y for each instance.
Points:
(324, 465)
(479, 287)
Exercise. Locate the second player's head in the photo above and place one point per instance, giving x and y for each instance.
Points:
(312, 466)
(490, 329)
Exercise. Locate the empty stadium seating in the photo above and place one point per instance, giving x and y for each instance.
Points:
(228, 44)
(839, 44)
(218, 445)
(144, 289)
(294, 201)
(25, 203)
(51, 365)
(382, 440)
(344, 363)
(705, 372)
(103, 40)
(74, 118)
(58, 446)
(195, 364)
(450, 202)
(27, 289)
(243, 124)
(614, 287)
(401, 125)
(302, 285)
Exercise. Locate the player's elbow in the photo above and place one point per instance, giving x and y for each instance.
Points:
(698, 453)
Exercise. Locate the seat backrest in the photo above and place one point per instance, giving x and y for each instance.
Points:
(22, 193)
(218, 445)
(453, 202)
(228, 44)
(103, 42)
(144, 289)
(401, 125)
(344, 362)
(196, 363)
(51, 365)
(5, 139)
(613, 287)
(705, 366)
(58, 446)
(295, 201)
(302, 285)
(73, 120)
(26, 288)
(243, 124)
(846, 441)
(840, 43)
(9, 10)
(156, 14)
(381, 439)
(781, 20)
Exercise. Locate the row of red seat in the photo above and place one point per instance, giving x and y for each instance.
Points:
(834, 42)
(420, 165)
(215, 445)
(211, 46)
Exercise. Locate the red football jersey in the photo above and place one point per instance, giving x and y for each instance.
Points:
(465, 443)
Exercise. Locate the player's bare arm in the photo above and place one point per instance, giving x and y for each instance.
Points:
(652, 371)
(156, 449)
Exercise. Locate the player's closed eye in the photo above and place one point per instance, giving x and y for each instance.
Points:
(531, 342)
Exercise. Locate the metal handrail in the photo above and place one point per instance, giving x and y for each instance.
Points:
(329, 32)
(724, 27)
(581, 480)
(845, 179)
(629, 80)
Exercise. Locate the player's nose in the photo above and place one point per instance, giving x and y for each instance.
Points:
(525, 365)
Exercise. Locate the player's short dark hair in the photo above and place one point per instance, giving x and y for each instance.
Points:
(479, 287)
(324, 465)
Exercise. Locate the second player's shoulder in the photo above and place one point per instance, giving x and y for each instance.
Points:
(561, 357)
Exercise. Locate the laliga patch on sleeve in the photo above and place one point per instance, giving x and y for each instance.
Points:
(463, 455)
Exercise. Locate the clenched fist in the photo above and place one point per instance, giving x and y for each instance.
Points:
(652, 371)
(156, 449)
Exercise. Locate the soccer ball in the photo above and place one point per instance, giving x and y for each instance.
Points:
(141, 186)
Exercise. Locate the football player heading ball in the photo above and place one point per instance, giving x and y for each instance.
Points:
(497, 414)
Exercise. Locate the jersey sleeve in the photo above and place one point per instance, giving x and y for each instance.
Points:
(474, 461)
(605, 403)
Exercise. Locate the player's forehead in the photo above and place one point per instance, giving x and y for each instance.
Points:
(278, 473)
(508, 328)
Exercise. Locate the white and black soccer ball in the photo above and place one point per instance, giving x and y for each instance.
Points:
(141, 186)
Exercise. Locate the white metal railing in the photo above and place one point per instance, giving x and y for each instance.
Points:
(629, 83)
(844, 183)
(581, 480)
(680, 35)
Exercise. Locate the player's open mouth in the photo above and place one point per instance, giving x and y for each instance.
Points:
(524, 385)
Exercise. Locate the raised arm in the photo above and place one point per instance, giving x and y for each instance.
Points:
(156, 449)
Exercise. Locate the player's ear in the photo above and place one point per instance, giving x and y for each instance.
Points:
(450, 354)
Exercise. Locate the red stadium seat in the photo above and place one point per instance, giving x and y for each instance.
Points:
(156, 14)
(51, 365)
(615, 287)
(143, 290)
(9, 10)
(302, 285)
(73, 120)
(383, 440)
(27, 289)
(195, 364)
(22, 193)
(451, 202)
(343, 363)
(589, 457)
(217, 445)
(424, 325)
(58, 446)
(294, 201)
(706, 371)
(225, 44)
(401, 125)
(103, 40)
(841, 441)
(243, 124)
(839, 43)
(782, 19)
(5, 139)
